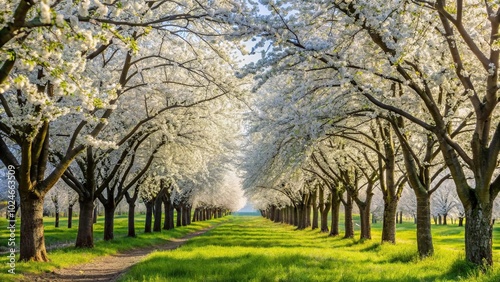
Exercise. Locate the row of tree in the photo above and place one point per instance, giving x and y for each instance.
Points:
(120, 100)
(352, 96)
(316, 210)
(355, 96)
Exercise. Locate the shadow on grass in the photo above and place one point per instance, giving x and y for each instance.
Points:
(403, 257)
(262, 267)
(462, 269)
(253, 252)
(374, 247)
(247, 267)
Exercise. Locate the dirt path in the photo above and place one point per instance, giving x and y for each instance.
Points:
(109, 268)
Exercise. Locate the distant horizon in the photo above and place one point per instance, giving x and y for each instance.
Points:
(247, 208)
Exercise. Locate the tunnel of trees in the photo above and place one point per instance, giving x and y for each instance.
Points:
(385, 109)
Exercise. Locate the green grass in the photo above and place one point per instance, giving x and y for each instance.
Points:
(68, 256)
(255, 249)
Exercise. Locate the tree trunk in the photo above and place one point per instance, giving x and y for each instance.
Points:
(85, 236)
(171, 216)
(277, 215)
(96, 211)
(168, 222)
(188, 215)
(157, 213)
(389, 221)
(149, 216)
(335, 204)
(70, 216)
(445, 219)
(308, 215)
(295, 216)
(131, 219)
(179, 216)
(349, 227)
(314, 210)
(461, 221)
(301, 213)
(305, 218)
(324, 218)
(323, 209)
(195, 215)
(185, 215)
(56, 223)
(109, 219)
(365, 224)
(424, 235)
(478, 234)
(32, 244)
(203, 214)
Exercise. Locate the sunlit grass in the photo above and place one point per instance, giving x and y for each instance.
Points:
(255, 249)
(69, 256)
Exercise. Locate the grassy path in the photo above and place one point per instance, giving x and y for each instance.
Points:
(109, 268)
(254, 249)
(69, 257)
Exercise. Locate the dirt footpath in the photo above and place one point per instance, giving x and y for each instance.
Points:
(109, 268)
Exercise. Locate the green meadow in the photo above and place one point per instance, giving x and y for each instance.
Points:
(251, 248)
(68, 255)
(255, 249)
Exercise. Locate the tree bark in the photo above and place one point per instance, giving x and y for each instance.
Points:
(478, 234)
(157, 213)
(301, 213)
(315, 211)
(85, 236)
(203, 214)
(179, 216)
(56, 223)
(149, 216)
(295, 216)
(335, 204)
(365, 224)
(109, 219)
(277, 215)
(168, 222)
(32, 243)
(308, 215)
(131, 219)
(188, 215)
(424, 235)
(183, 215)
(324, 218)
(389, 222)
(195, 215)
(70, 216)
(349, 227)
(96, 212)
